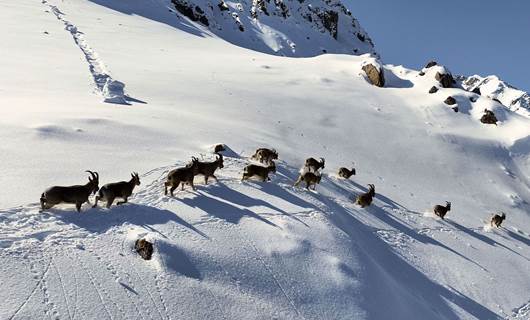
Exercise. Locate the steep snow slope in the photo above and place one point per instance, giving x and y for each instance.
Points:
(294, 28)
(247, 250)
(494, 88)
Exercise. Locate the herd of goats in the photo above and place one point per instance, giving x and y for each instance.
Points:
(311, 175)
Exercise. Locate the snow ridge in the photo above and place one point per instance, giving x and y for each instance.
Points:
(112, 90)
(494, 88)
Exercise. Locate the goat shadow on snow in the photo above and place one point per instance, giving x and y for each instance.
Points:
(99, 220)
(385, 269)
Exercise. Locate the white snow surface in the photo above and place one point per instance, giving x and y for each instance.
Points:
(250, 250)
(494, 88)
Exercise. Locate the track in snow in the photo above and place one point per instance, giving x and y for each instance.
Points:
(111, 89)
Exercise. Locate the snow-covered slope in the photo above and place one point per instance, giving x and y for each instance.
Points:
(494, 88)
(251, 250)
(296, 28)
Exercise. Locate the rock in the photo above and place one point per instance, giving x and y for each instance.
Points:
(421, 74)
(489, 117)
(445, 79)
(496, 100)
(431, 63)
(219, 148)
(374, 73)
(193, 13)
(330, 20)
(433, 89)
(144, 248)
(223, 6)
(473, 99)
(455, 109)
(476, 90)
(450, 101)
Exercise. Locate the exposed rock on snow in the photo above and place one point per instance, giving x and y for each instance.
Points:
(431, 63)
(374, 72)
(445, 78)
(498, 90)
(291, 28)
(144, 248)
(450, 101)
(433, 89)
(488, 117)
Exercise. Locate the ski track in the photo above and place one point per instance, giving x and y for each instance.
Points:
(96, 66)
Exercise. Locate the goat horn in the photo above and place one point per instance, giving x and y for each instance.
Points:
(92, 174)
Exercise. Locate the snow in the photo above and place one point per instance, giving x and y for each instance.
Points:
(251, 250)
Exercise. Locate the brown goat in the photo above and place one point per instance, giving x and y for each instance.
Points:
(309, 178)
(207, 169)
(365, 199)
(77, 194)
(497, 220)
(262, 172)
(346, 173)
(314, 164)
(122, 189)
(182, 175)
(441, 211)
(265, 155)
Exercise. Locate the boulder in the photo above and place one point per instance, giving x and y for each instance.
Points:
(421, 74)
(431, 63)
(374, 72)
(455, 108)
(445, 79)
(219, 148)
(489, 117)
(450, 101)
(473, 99)
(476, 90)
(433, 89)
(144, 248)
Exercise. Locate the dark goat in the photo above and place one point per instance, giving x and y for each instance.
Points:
(122, 189)
(310, 179)
(312, 163)
(182, 175)
(207, 169)
(262, 172)
(366, 198)
(77, 194)
(497, 220)
(346, 173)
(441, 211)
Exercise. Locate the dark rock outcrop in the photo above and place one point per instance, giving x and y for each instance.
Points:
(445, 79)
(433, 89)
(144, 248)
(431, 63)
(194, 13)
(489, 117)
(450, 101)
(219, 148)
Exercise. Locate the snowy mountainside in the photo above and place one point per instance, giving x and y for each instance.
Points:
(284, 27)
(247, 250)
(494, 88)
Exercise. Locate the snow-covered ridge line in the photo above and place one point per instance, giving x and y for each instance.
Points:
(112, 90)
(282, 27)
(497, 89)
